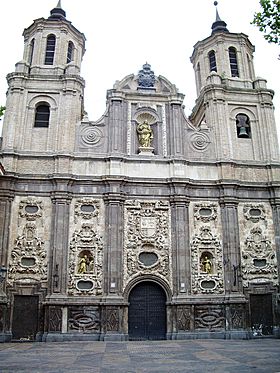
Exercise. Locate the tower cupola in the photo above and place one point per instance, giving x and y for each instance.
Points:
(57, 12)
(218, 25)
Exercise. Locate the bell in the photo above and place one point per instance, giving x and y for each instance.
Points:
(243, 133)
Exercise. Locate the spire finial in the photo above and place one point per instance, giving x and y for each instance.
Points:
(218, 25)
(57, 12)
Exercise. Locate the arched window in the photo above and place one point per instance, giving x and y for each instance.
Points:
(42, 115)
(50, 48)
(31, 51)
(70, 52)
(212, 61)
(243, 127)
(233, 62)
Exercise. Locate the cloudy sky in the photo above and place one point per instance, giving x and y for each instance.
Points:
(123, 34)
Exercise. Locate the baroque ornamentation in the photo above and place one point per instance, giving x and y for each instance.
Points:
(85, 261)
(207, 262)
(28, 256)
(30, 209)
(209, 317)
(205, 212)
(111, 319)
(259, 262)
(147, 240)
(146, 77)
(55, 319)
(85, 319)
(183, 318)
(237, 316)
(254, 212)
(87, 209)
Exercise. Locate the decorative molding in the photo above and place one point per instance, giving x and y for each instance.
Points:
(200, 141)
(205, 212)
(258, 258)
(207, 262)
(84, 319)
(183, 318)
(209, 317)
(86, 209)
(91, 135)
(30, 209)
(85, 262)
(28, 257)
(254, 212)
(147, 240)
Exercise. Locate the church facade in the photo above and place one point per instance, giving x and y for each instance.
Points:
(145, 224)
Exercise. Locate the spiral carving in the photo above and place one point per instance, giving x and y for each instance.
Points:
(91, 135)
(200, 141)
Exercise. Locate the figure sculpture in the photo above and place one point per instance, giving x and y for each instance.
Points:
(145, 134)
(82, 268)
(207, 265)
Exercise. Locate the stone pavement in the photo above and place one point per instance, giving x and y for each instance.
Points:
(219, 356)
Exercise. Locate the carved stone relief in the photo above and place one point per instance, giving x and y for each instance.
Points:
(205, 212)
(183, 318)
(86, 249)
(55, 319)
(111, 319)
(237, 316)
(209, 317)
(258, 255)
(207, 262)
(85, 319)
(147, 240)
(206, 250)
(28, 256)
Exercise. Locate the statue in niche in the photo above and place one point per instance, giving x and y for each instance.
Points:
(85, 264)
(206, 264)
(145, 134)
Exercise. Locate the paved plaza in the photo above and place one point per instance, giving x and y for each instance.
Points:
(201, 356)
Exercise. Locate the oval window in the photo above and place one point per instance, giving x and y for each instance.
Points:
(205, 212)
(31, 209)
(255, 212)
(85, 285)
(87, 208)
(28, 262)
(208, 284)
(148, 259)
(259, 263)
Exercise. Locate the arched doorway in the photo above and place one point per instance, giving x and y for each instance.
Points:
(147, 312)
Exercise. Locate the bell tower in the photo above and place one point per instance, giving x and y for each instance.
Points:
(45, 93)
(231, 99)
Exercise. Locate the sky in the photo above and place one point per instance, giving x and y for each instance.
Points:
(124, 34)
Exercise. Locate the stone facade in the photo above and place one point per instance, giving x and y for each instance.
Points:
(92, 211)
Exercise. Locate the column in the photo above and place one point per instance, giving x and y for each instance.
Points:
(180, 245)
(60, 242)
(231, 246)
(113, 251)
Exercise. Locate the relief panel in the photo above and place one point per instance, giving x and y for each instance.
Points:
(84, 319)
(86, 248)
(30, 231)
(147, 240)
(209, 317)
(206, 249)
(258, 255)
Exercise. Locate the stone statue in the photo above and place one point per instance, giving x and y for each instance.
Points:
(207, 265)
(82, 268)
(145, 134)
